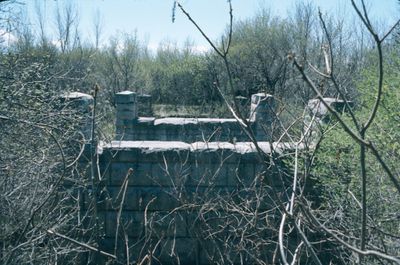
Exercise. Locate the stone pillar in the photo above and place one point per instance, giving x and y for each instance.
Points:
(145, 108)
(79, 105)
(316, 109)
(76, 109)
(127, 114)
(243, 105)
(262, 114)
(317, 114)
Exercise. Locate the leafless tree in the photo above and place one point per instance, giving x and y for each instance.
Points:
(67, 21)
(98, 25)
(297, 216)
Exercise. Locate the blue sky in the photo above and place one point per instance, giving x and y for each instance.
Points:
(152, 18)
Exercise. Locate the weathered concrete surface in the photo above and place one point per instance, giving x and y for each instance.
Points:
(129, 126)
(170, 181)
(179, 129)
(145, 107)
(317, 114)
(186, 121)
(79, 107)
(195, 185)
(164, 146)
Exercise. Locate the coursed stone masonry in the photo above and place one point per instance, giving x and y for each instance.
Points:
(178, 165)
(131, 127)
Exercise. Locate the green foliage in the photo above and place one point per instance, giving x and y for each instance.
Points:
(34, 73)
(337, 167)
(38, 139)
(259, 51)
(337, 162)
(173, 70)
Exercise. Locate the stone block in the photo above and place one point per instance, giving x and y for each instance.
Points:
(236, 251)
(104, 170)
(125, 107)
(125, 97)
(119, 171)
(246, 174)
(260, 168)
(232, 174)
(129, 123)
(170, 174)
(209, 252)
(156, 199)
(177, 251)
(128, 115)
(131, 202)
(131, 222)
(214, 222)
(140, 176)
(145, 105)
(124, 135)
(150, 156)
(207, 175)
(167, 224)
(130, 155)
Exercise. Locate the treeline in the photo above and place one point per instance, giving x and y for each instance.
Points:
(182, 76)
(40, 140)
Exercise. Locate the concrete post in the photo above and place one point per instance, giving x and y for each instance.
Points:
(77, 108)
(317, 114)
(243, 104)
(262, 114)
(320, 111)
(145, 108)
(127, 114)
(80, 105)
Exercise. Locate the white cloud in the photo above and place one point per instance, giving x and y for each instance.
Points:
(152, 47)
(7, 38)
(201, 48)
(197, 49)
(56, 43)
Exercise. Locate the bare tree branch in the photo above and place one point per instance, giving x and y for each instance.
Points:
(106, 254)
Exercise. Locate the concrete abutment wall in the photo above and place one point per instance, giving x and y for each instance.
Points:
(182, 199)
(131, 127)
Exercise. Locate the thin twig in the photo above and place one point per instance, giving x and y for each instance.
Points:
(84, 245)
(347, 245)
(331, 74)
(365, 21)
(347, 129)
(54, 188)
(121, 206)
(314, 255)
(199, 29)
(318, 71)
(296, 253)
(391, 30)
(280, 239)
